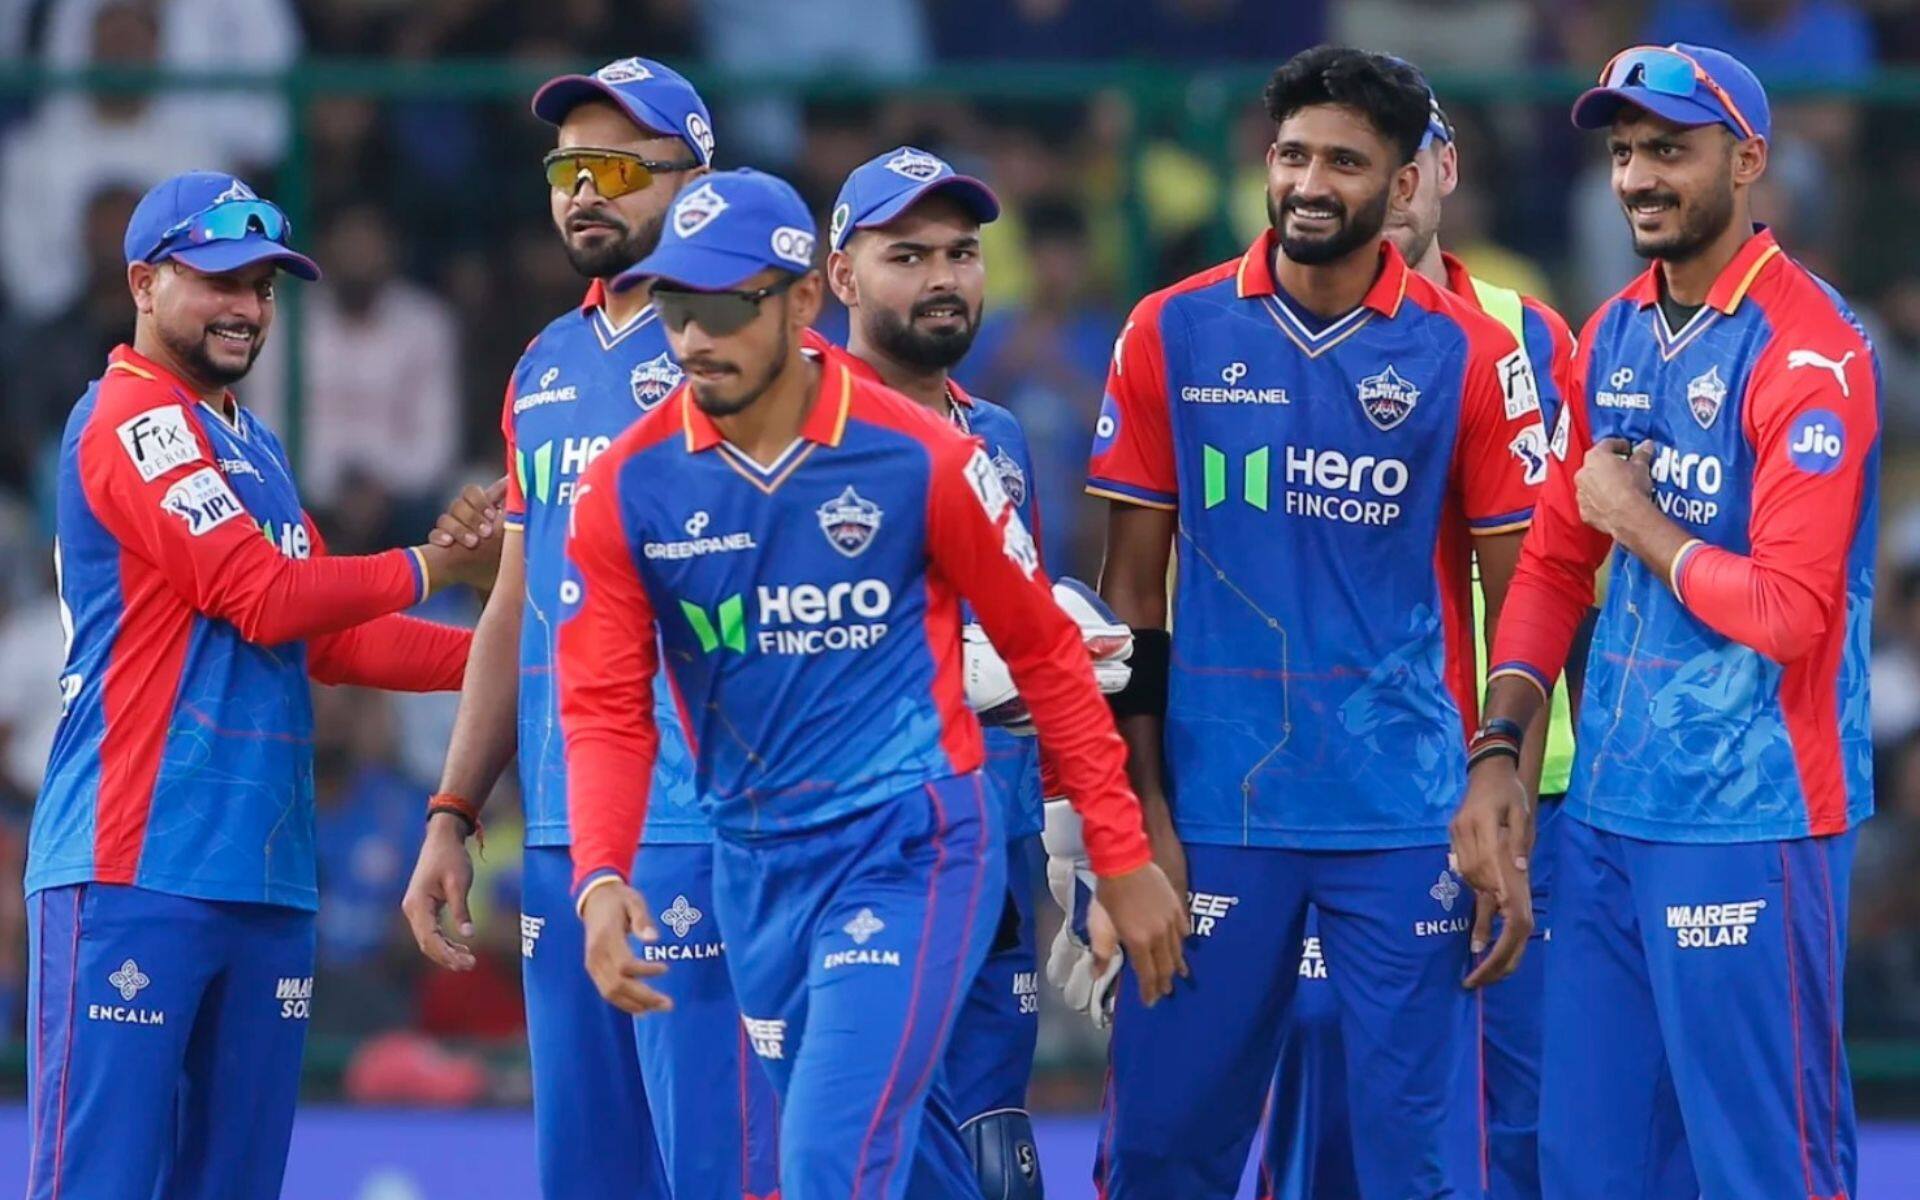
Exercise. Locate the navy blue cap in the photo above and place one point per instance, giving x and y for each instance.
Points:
(655, 95)
(886, 185)
(1597, 107)
(1439, 129)
(725, 228)
(160, 223)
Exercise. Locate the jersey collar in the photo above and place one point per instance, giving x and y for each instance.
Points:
(1459, 280)
(1729, 288)
(825, 425)
(1254, 278)
(596, 296)
(864, 370)
(125, 360)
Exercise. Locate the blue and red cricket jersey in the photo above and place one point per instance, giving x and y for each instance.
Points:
(579, 385)
(198, 602)
(809, 614)
(1732, 705)
(1329, 481)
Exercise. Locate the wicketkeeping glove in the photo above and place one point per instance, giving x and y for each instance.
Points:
(1070, 878)
(990, 689)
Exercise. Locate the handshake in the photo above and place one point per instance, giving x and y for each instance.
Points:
(990, 688)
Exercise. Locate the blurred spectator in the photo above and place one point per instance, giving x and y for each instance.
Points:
(1443, 35)
(1883, 957)
(367, 830)
(1182, 31)
(48, 362)
(31, 654)
(248, 128)
(1047, 361)
(381, 370)
(78, 143)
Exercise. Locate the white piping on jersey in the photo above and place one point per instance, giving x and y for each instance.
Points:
(1671, 343)
(610, 337)
(236, 425)
(770, 476)
(1311, 344)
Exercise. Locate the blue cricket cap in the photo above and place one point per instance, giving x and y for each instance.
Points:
(726, 227)
(655, 95)
(886, 185)
(1660, 79)
(163, 224)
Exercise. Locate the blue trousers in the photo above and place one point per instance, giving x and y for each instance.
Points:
(661, 1107)
(1309, 1148)
(164, 1040)
(1692, 1040)
(853, 947)
(990, 1060)
(1190, 1074)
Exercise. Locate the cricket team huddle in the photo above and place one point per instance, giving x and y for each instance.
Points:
(1449, 784)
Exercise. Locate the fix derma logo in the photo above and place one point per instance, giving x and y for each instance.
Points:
(725, 626)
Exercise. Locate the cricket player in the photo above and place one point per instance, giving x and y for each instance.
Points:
(661, 1108)
(906, 263)
(1309, 1148)
(796, 542)
(170, 869)
(1330, 439)
(1720, 446)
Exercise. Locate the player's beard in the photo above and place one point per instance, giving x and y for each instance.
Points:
(923, 349)
(196, 353)
(608, 259)
(727, 406)
(1356, 228)
(1701, 223)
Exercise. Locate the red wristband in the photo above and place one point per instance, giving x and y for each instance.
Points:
(459, 806)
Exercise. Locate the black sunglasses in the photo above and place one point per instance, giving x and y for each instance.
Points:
(719, 313)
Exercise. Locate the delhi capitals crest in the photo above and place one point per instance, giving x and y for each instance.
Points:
(653, 379)
(1386, 398)
(849, 521)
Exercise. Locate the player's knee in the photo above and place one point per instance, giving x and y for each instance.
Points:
(1005, 1159)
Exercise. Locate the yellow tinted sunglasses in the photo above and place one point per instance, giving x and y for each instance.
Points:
(614, 173)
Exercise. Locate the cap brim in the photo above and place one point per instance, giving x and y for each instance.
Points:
(558, 97)
(1597, 107)
(216, 258)
(976, 197)
(706, 269)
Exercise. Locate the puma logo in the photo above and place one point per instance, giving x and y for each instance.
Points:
(1813, 358)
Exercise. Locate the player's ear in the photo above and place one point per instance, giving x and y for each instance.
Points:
(142, 278)
(1749, 161)
(840, 278)
(1406, 182)
(806, 296)
(1448, 162)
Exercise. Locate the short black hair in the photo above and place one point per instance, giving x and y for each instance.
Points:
(1390, 93)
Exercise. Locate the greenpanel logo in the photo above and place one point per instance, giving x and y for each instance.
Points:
(1253, 476)
(541, 464)
(725, 626)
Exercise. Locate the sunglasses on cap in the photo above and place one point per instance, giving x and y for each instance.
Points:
(225, 221)
(615, 173)
(718, 313)
(1669, 72)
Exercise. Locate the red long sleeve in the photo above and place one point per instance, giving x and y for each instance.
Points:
(393, 653)
(606, 663)
(172, 508)
(1812, 427)
(977, 541)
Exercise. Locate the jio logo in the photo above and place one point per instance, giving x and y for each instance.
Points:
(1817, 441)
(1107, 427)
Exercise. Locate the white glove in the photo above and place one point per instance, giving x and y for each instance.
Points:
(1070, 961)
(989, 685)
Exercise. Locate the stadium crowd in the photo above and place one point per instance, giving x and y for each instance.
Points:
(433, 227)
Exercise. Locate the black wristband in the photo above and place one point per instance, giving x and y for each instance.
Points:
(1500, 727)
(1146, 692)
(472, 822)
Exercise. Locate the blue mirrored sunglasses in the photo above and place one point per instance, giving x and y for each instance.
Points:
(226, 221)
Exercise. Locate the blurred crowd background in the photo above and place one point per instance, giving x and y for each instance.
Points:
(1124, 138)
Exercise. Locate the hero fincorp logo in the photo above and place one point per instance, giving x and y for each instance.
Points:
(1332, 486)
(1687, 482)
(802, 618)
(1710, 926)
(1230, 391)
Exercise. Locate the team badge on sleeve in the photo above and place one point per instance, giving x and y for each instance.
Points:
(1706, 392)
(653, 379)
(1386, 398)
(203, 500)
(1530, 447)
(158, 440)
(1518, 388)
(849, 521)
